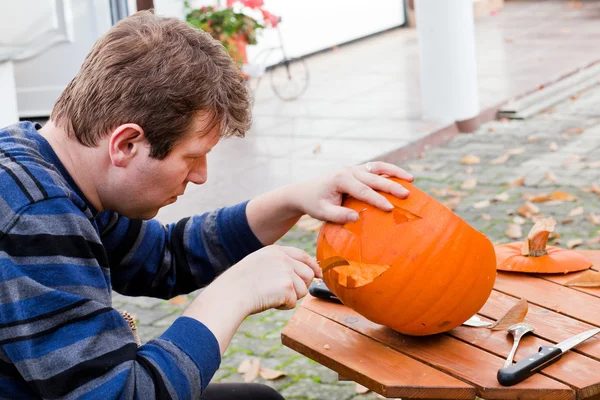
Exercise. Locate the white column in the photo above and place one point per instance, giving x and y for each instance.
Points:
(449, 88)
(8, 95)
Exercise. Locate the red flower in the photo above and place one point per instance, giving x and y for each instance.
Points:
(253, 3)
(270, 19)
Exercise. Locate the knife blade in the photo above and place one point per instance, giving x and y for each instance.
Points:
(545, 356)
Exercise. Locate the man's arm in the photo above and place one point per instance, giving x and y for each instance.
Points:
(272, 214)
(59, 332)
(151, 259)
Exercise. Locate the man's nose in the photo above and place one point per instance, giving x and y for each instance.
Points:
(199, 173)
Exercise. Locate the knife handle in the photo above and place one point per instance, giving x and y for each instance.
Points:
(527, 366)
(319, 290)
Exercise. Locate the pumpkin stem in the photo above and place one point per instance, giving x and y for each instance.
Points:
(535, 244)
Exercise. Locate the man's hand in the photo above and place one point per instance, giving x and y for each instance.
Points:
(272, 277)
(322, 198)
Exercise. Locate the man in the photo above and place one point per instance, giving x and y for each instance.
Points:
(78, 195)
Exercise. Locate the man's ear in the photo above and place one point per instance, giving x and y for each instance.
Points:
(125, 142)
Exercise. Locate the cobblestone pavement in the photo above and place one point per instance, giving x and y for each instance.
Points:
(557, 150)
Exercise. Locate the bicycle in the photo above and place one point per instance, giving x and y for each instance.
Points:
(289, 77)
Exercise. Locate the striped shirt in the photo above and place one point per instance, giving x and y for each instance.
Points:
(59, 261)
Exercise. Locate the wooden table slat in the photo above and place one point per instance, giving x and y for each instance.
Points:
(369, 362)
(447, 354)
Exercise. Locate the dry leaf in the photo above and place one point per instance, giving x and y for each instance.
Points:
(439, 192)
(457, 193)
(244, 366)
(594, 240)
(571, 244)
(575, 131)
(595, 188)
(501, 159)
(178, 300)
(470, 160)
(252, 370)
(518, 182)
(576, 211)
(564, 136)
(539, 198)
(550, 177)
(417, 167)
(514, 231)
(562, 196)
(532, 139)
(469, 170)
(360, 389)
(594, 219)
(501, 197)
(481, 204)
(317, 149)
(514, 152)
(452, 203)
(486, 217)
(469, 184)
(593, 164)
(519, 220)
(271, 374)
(515, 315)
(491, 129)
(567, 221)
(589, 278)
(553, 146)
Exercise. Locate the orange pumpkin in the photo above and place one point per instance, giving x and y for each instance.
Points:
(533, 255)
(418, 269)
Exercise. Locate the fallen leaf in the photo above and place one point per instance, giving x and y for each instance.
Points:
(271, 374)
(519, 220)
(595, 188)
(562, 196)
(594, 240)
(518, 182)
(481, 204)
(532, 139)
(589, 278)
(469, 170)
(553, 146)
(360, 389)
(457, 193)
(576, 211)
(470, 160)
(452, 203)
(567, 221)
(253, 370)
(500, 160)
(469, 184)
(244, 366)
(575, 131)
(491, 129)
(571, 244)
(486, 217)
(594, 219)
(528, 210)
(515, 315)
(593, 164)
(417, 167)
(514, 152)
(317, 149)
(501, 197)
(439, 192)
(564, 136)
(178, 300)
(514, 231)
(550, 177)
(575, 4)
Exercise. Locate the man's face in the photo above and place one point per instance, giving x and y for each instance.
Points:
(149, 184)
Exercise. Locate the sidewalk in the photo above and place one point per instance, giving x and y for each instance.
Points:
(555, 151)
(363, 99)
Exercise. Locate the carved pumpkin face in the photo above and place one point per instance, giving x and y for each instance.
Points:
(418, 269)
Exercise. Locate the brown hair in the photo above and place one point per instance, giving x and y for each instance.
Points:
(158, 73)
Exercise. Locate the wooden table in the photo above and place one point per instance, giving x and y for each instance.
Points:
(462, 363)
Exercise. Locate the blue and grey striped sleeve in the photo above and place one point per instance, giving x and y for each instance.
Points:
(151, 259)
(59, 335)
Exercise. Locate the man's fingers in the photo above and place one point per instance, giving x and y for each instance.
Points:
(383, 168)
(381, 183)
(363, 192)
(303, 257)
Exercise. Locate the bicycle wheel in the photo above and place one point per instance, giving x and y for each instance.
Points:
(289, 79)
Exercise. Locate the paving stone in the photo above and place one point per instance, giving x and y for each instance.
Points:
(307, 388)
